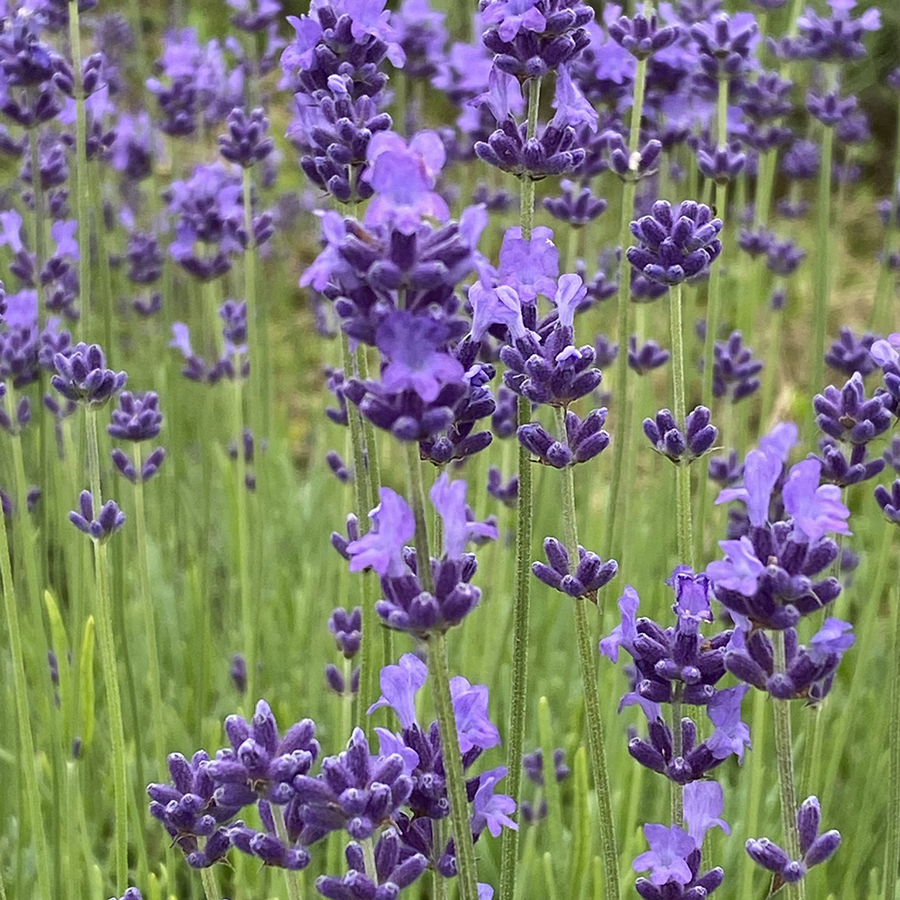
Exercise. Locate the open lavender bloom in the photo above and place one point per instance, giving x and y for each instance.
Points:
(261, 764)
(735, 369)
(674, 858)
(191, 810)
(889, 501)
(588, 577)
(82, 376)
(681, 447)
(809, 671)
(107, 523)
(553, 150)
(405, 605)
(584, 439)
(847, 415)
(815, 848)
(395, 869)
(676, 244)
(530, 39)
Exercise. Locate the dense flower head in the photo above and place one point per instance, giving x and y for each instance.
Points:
(809, 670)
(347, 630)
(82, 376)
(833, 38)
(676, 243)
(830, 109)
(842, 469)
(668, 439)
(577, 210)
(647, 357)
(422, 34)
(889, 501)
(584, 439)
(246, 142)
(583, 580)
(815, 848)
(631, 167)
(846, 414)
(109, 520)
(532, 37)
(642, 36)
(726, 44)
(735, 369)
(137, 418)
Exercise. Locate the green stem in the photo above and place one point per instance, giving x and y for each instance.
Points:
(149, 610)
(28, 761)
(362, 498)
(880, 317)
(676, 790)
(509, 847)
(291, 879)
(416, 490)
(596, 740)
(824, 262)
(784, 756)
(439, 669)
(685, 538)
(82, 189)
(103, 260)
(210, 885)
(368, 848)
(622, 409)
(526, 200)
(892, 860)
(248, 613)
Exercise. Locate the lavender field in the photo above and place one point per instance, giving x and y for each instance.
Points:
(450, 449)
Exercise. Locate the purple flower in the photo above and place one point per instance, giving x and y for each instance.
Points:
(399, 686)
(530, 267)
(82, 376)
(761, 472)
(740, 571)
(107, 523)
(675, 244)
(703, 806)
(816, 509)
(570, 294)
(832, 638)
(889, 499)
(414, 362)
(623, 635)
(492, 811)
(403, 178)
(137, 418)
(572, 107)
(63, 233)
(731, 734)
(692, 593)
(495, 306)
(470, 709)
(513, 16)
(449, 499)
(381, 549)
(667, 856)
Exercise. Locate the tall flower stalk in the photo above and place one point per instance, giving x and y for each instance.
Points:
(615, 514)
(824, 261)
(892, 856)
(785, 760)
(439, 668)
(585, 640)
(509, 850)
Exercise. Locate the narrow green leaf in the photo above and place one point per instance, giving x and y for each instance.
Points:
(86, 680)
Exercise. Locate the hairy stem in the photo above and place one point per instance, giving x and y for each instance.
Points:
(685, 539)
(291, 878)
(824, 262)
(82, 189)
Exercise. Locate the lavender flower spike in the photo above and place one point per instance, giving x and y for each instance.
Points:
(82, 376)
(681, 447)
(101, 529)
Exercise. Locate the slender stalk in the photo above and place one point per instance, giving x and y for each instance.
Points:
(291, 879)
(28, 762)
(509, 847)
(439, 669)
(210, 885)
(416, 490)
(106, 291)
(248, 614)
(526, 205)
(40, 250)
(596, 740)
(109, 665)
(623, 441)
(880, 316)
(676, 790)
(784, 756)
(438, 882)
(23, 519)
(715, 273)
(892, 859)
(82, 190)
(362, 499)
(149, 611)
(368, 848)
(824, 261)
(685, 538)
